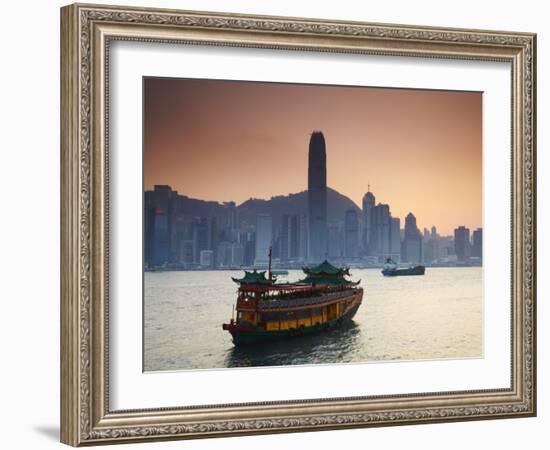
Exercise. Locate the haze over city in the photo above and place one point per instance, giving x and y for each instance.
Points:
(419, 150)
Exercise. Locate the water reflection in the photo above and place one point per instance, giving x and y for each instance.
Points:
(336, 345)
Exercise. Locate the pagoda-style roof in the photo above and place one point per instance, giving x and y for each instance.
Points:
(254, 277)
(326, 268)
(322, 274)
(327, 274)
(328, 281)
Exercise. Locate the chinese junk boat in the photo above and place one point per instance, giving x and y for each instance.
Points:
(267, 310)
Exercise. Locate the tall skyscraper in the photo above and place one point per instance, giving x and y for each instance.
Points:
(351, 234)
(462, 244)
(477, 244)
(290, 237)
(430, 252)
(213, 237)
(317, 197)
(248, 239)
(264, 237)
(411, 250)
(395, 238)
(230, 224)
(148, 227)
(335, 240)
(158, 226)
(284, 251)
(430, 249)
(200, 235)
(303, 237)
(222, 257)
(380, 232)
(368, 203)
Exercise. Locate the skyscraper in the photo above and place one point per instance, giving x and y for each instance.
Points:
(412, 243)
(303, 237)
(368, 203)
(158, 225)
(213, 238)
(237, 254)
(430, 250)
(264, 237)
(290, 237)
(380, 232)
(248, 239)
(317, 197)
(351, 234)
(395, 238)
(200, 236)
(477, 244)
(335, 240)
(230, 224)
(462, 244)
(148, 228)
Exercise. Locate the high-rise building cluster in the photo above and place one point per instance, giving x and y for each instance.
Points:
(180, 232)
(381, 233)
(175, 238)
(468, 250)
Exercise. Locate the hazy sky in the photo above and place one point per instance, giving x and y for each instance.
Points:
(420, 151)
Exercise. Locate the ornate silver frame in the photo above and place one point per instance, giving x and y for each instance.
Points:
(86, 31)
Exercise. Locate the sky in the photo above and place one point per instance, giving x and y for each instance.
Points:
(419, 150)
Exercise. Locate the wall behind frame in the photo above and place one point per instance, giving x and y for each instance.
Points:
(29, 225)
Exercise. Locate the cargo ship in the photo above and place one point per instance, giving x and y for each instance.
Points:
(391, 270)
(269, 311)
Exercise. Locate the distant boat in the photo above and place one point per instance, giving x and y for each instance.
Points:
(391, 270)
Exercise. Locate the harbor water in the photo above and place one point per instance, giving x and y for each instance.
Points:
(438, 315)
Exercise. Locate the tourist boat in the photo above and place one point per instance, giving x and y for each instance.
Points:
(268, 310)
(391, 270)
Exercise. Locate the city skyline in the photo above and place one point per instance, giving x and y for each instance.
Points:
(420, 227)
(419, 150)
(192, 234)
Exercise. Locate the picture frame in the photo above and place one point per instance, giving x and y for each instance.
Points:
(87, 31)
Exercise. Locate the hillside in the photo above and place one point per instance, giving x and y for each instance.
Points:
(337, 204)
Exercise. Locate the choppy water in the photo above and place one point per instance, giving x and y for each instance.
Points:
(438, 315)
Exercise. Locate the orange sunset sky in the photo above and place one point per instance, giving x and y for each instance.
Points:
(420, 150)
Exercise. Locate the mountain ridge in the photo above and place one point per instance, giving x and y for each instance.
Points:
(276, 206)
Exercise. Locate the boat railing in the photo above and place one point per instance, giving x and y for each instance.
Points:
(304, 301)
